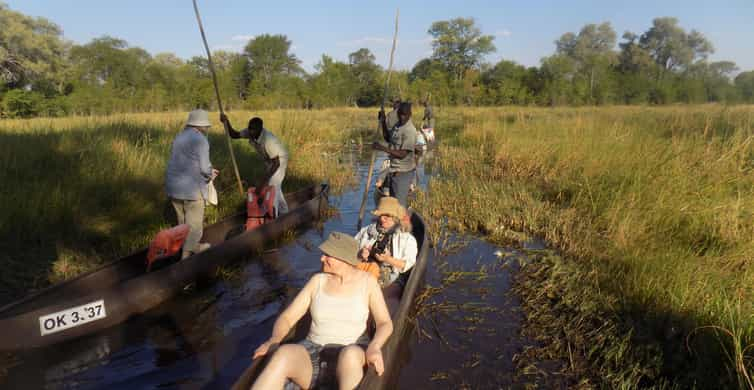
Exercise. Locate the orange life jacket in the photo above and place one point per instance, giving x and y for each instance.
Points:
(166, 243)
(370, 267)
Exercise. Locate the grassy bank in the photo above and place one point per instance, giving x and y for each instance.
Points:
(653, 209)
(81, 191)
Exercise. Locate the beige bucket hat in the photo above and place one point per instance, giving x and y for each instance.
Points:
(198, 118)
(341, 246)
(390, 206)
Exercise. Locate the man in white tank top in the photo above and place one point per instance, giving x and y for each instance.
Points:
(339, 300)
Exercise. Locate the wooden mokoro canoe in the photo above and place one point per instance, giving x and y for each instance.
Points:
(399, 304)
(122, 288)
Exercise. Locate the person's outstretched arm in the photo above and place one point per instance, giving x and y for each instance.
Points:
(229, 128)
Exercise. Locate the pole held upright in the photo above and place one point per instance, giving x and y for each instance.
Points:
(382, 108)
(217, 95)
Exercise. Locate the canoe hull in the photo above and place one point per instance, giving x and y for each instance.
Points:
(21, 322)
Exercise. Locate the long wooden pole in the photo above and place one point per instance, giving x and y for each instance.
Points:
(217, 94)
(382, 108)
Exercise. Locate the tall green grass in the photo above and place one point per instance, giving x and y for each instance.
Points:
(655, 204)
(80, 191)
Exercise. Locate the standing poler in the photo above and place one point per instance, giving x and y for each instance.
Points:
(401, 141)
(428, 120)
(272, 151)
(188, 172)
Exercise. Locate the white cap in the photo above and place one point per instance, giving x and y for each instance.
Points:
(198, 118)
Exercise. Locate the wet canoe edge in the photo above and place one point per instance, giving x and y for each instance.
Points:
(125, 289)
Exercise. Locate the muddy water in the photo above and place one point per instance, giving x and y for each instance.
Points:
(466, 334)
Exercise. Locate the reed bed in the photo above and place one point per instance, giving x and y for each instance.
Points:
(652, 206)
(80, 191)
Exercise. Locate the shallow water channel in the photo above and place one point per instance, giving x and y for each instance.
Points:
(467, 331)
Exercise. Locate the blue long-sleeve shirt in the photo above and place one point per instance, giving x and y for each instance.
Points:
(189, 168)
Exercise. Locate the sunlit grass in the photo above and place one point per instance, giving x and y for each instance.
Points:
(655, 203)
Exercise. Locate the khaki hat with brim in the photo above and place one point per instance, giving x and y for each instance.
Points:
(198, 118)
(342, 247)
(390, 206)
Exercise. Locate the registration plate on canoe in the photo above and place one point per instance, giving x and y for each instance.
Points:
(72, 317)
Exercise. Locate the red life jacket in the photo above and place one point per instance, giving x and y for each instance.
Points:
(166, 243)
(259, 206)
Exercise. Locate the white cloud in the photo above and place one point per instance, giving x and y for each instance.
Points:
(243, 38)
(504, 33)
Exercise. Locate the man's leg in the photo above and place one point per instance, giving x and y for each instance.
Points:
(194, 217)
(399, 186)
(179, 213)
(277, 182)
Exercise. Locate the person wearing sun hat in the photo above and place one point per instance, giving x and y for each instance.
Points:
(188, 173)
(388, 241)
(340, 300)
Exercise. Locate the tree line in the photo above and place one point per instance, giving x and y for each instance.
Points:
(43, 74)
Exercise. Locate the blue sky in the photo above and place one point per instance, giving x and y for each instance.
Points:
(524, 30)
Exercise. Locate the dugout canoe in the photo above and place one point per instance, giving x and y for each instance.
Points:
(122, 288)
(400, 306)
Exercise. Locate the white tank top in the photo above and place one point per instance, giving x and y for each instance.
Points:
(338, 320)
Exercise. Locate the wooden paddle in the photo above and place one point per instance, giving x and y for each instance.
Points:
(217, 94)
(382, 108)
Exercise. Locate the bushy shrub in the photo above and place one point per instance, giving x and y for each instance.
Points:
(19, 103)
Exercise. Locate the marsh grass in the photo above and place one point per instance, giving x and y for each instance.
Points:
(80, 191)
(654, 204)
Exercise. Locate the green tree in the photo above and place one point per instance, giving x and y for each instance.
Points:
(110, 61)
(459, 45)
(671, 47)
(334, 84)
(745, 85)
(270, 58)
(240, 76)
(19, 103)
(505, 83)
(636, 71)
(366, 73)
(31, 50)
(592, 53)
(715, 80)
(558, 72)
(424, 69)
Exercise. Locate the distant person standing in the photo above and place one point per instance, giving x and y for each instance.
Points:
(272, 151)
(428, 120)
(401, 141)
(188, 172)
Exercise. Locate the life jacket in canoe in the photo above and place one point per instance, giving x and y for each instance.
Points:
(166, 243)
(260, 206)
(370, 267)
